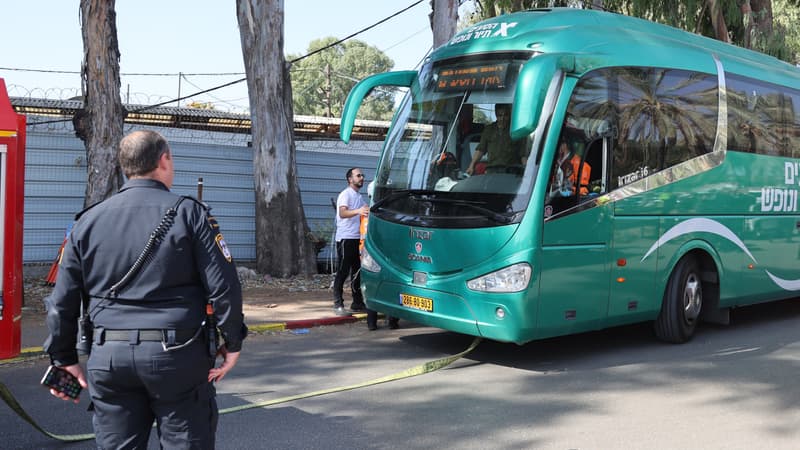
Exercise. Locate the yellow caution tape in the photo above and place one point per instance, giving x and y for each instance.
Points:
(17, 408)
(424, 368)
(421, 369)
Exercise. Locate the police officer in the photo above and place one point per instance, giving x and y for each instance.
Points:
(150, 354)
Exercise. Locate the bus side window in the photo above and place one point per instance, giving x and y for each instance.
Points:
(594, 160)
(562, 184)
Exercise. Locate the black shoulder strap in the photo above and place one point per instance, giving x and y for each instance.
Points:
(156, 236)
(203, 205)
(78, 216)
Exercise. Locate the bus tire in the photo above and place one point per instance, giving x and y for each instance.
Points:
(682, 303)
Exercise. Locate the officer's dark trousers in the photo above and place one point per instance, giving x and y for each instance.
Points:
(349, 264)
(133, 384)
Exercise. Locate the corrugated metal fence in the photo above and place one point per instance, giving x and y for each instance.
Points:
(55, 182)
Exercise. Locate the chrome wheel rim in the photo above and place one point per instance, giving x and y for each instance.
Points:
(692, 298)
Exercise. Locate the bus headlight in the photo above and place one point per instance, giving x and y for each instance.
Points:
(513, 278)
(367, 263)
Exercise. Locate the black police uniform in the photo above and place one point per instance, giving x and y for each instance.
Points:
(132, 379)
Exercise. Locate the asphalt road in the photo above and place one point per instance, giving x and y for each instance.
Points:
(730, 388)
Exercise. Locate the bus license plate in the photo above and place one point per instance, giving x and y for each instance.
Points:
(412, 301)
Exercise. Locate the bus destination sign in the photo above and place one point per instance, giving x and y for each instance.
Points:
(485, 76)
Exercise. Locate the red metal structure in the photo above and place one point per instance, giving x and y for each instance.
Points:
(12, 194)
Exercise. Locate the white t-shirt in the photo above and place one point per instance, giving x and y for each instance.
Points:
(348, 228)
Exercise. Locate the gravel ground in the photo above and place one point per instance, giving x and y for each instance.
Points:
(35, 287)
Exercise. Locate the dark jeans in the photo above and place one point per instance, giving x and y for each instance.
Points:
(349, 264)
(372, 319)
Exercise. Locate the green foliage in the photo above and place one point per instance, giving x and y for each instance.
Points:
(780, 38)
(787, 15)
(321, 82)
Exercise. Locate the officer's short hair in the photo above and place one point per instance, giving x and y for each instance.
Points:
(140, 151)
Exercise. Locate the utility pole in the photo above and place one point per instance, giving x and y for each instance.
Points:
(180, 75)
(328, 89)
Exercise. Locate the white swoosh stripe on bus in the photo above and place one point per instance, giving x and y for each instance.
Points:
(699, 225)
(789, 285)
(714, 227)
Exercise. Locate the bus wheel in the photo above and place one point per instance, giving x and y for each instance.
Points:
(683, 300)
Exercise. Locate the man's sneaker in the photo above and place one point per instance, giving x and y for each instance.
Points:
(358, 307)
(340, 311)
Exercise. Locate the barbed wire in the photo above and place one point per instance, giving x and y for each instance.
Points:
(211, 137)
(17, 90)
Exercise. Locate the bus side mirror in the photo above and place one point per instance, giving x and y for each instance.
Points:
(402, 78)
(529, 95)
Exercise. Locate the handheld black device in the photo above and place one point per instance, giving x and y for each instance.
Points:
(62, 381)
(211, 329)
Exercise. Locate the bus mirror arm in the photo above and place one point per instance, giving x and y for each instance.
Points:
(402, 78)
(532, 84)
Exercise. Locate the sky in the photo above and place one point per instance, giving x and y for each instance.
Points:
(193, 37)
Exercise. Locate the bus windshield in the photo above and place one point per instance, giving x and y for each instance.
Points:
(449, 160)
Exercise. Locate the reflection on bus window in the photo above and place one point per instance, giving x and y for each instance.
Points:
(650, 118)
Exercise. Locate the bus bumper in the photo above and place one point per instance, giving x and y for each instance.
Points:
(450, 311)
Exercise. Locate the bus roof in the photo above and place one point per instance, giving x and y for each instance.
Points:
(601, 39)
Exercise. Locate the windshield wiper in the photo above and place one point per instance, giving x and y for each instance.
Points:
(496, 216)
(395, 195)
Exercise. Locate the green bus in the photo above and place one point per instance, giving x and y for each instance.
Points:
(658, 180)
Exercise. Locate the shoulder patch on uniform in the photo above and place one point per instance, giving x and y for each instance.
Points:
(223, 247)
(212, 222)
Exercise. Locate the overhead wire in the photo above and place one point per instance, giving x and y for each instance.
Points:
(148, 107)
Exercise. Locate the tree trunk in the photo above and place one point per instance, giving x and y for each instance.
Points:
(99, 123)
(718, 21)
(762, 16)
(762, 23)
(488, 9)
(444, 18)
(747, 18)
(283, 244)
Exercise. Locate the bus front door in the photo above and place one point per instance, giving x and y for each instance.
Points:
(574, 268)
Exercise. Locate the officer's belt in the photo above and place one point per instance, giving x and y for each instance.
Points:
(171, 337)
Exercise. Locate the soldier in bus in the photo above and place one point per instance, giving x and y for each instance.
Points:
(504, 155)
(568, 169)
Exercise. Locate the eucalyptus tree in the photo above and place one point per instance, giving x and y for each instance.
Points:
(99, 122)
(444, 18)
(283, 239)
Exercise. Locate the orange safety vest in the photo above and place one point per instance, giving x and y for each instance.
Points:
(362, 228)
(585, 174)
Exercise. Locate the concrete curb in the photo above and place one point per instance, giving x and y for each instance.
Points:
(29, 353)
(25, 354)
(307, 323)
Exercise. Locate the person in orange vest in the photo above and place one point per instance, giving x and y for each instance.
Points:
(362, 228)
(372, 315)
(571, 166)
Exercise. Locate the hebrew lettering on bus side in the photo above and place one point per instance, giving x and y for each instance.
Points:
(790, 172)
(778, 199)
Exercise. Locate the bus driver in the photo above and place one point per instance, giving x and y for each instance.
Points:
(496, 141)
